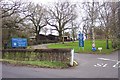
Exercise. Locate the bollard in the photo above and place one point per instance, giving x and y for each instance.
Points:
(100, 49)
(72, 57)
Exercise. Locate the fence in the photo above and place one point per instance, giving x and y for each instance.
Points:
(62, 55)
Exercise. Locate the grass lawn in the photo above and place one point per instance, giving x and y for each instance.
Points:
(46, 64)
(87, 46)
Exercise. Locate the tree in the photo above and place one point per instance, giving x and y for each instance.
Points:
(118, 24)
(118, 18)
(74, 30)
(45, 30)
(60, 15)
(105, 15)
(67, 34)
(114, 24)
(12, 21)
(37, 17)
(99, 33)
(11, 7)
(86, 26)
(91, 10)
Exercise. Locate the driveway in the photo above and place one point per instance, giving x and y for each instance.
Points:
(90, 66)
(42, 46)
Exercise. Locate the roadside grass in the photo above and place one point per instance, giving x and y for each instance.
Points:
(87, 46)
(42, 64)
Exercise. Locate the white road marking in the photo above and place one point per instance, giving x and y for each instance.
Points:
(117, 64)
(105, 59)
(100, 65)
(104, 65)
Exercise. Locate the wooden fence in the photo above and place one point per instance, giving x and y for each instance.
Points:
(62, 55)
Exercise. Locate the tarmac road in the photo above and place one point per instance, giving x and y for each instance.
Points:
(90, 66)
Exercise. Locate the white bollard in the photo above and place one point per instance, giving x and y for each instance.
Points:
(100, 49)
(72, 57)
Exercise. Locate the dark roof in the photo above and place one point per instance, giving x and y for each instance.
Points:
(52, 35)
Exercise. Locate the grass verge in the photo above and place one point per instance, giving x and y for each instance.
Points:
(87, 46)
(42, 64)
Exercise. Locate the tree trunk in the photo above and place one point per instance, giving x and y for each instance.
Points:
(60, 36)
(91, 33)
(73, 39)
(86, 36)
(107, 43)
(37, 35)
(73, 36)
(63, 38)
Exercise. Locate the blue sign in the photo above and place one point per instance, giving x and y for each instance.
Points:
(19, 42)
(93, 49)
(81, 40)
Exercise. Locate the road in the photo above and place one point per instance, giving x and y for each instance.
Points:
(90, 66)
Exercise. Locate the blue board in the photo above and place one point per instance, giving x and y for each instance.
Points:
(81, 40)
(93, 49)
(19, 42)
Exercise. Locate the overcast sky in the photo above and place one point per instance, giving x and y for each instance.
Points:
(51, 1)
(75, 1)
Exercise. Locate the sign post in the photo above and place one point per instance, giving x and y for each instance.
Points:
(81, 40)
(19, 42)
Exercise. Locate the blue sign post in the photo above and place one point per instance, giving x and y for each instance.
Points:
(81, 40)
(19, 42)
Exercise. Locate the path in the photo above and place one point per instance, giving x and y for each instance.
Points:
(42, 46)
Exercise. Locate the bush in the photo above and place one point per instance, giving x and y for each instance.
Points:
(61, 55)
(116, 44)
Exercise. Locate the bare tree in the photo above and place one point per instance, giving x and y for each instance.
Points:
(118, 20)
(11, 7)
(13, 11)
(37, 17)
(114, 27)
(45, 30)
(60, 15)
(12, 21)
(118, 24)
(67, 34)
(105, 15)
(91, 10)
(86, 26)
(74, 30)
